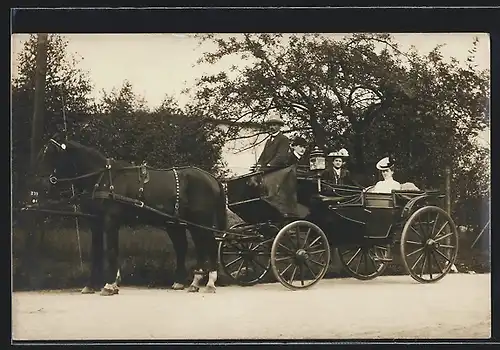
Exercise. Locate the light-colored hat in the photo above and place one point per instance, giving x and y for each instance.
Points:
(274, 118)
(384, 163)
(339, 154)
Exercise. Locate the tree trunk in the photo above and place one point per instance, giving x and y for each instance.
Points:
(31, 255)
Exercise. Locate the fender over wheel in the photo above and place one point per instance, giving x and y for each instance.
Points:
(300, 255)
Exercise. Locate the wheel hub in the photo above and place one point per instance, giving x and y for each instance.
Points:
(301, 254)
(432, 243)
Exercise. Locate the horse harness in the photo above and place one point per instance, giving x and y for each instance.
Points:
(143, 178)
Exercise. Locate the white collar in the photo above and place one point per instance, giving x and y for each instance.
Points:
(275, 134)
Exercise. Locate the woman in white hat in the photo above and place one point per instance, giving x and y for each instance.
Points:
(386, 167)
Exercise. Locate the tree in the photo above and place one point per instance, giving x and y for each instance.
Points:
(361, 92)
(165, 137)
(64, 80)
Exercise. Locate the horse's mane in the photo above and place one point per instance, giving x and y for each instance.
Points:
(90, 151)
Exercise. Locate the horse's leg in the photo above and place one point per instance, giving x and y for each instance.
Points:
(96, 253)
(111, 227)
(179, 240)
(211, 247)
(197, 236)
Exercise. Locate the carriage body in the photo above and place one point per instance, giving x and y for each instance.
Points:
(345, 218)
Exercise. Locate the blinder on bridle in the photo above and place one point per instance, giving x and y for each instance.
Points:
(52, 178)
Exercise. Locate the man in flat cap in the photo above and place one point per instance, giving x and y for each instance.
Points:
(276, 149)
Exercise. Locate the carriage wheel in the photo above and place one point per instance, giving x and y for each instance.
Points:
(245, 261)
(300, 255)
(429, 244)
(365, 262)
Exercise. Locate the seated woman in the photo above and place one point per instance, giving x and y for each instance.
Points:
(386, 167)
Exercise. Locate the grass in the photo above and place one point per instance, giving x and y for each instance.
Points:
(148, 258)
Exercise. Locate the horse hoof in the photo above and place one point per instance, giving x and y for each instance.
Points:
(106, 292)
(209, 289)
(177, 286)
(193, 289)
(87, 290)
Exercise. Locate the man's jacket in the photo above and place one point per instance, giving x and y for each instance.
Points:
(276, 152)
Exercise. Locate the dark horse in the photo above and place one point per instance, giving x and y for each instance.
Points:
(117, 193)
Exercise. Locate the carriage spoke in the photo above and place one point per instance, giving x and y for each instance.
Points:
(437, 262)
(446, 246)
(420, 225)
(317, 251)
(434, 226)
(284, 258)
(365, 261)
(443, 237)
(313, 242)
(234, 261)
(260, 244)
(423, 265)
(346, 252)
(310, 270)
(259, 263)
(415, 251)
(359, 263)
(293, 275)
(413, 242)
(441, 229)
(372, 260)
(291, 251)
(286, 269)
(353, 257)
(444, 256)
(301, 271)
(429, 265)
(317, 263)
(239, 268)
(416, 262)
(305, 239)
(418, 233)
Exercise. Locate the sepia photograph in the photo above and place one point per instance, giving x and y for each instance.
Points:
(250, 186)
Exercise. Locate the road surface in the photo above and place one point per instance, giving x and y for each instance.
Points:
(458, 306)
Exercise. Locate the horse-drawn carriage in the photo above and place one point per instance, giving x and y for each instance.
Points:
(292, 219)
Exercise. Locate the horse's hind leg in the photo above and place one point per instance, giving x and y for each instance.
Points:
(96, 265)
(211, 246)
(112, 232)
(199, 245)
(179, 240)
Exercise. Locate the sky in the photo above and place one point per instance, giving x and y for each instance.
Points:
(160, 64)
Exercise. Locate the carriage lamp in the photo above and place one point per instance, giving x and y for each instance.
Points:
(317, 163)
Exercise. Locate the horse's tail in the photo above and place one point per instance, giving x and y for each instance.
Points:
(221, 208)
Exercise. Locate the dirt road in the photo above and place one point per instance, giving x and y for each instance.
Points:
(388, 307)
